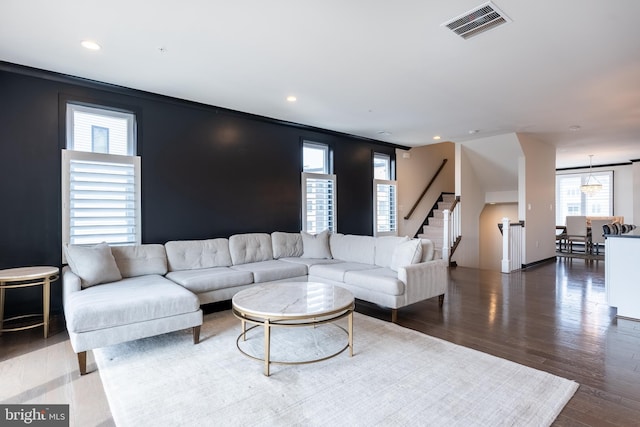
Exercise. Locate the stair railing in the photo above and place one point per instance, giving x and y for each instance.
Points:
(452, 230)
(415, 205)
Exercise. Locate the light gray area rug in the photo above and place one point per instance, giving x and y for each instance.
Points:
(397, 377)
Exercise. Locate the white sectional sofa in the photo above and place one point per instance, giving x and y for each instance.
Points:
(118, 294)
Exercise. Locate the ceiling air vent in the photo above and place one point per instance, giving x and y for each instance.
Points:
(482, 18)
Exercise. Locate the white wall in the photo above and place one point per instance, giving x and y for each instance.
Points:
(413, 173)
(469, 187)
(486, 171)
(538, 199)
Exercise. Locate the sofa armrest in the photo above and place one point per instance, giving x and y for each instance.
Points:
(70, 283)
(424, 280)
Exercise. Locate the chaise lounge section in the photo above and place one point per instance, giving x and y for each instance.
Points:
(117, 294)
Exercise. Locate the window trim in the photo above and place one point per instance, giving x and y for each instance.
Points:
(130, 116)
(388, 160)
(328, 155)
(560, 218)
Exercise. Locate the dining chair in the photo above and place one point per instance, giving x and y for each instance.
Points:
(577, 232)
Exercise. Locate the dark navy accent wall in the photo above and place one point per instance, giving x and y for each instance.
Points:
(206, 172)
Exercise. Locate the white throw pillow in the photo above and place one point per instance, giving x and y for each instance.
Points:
(315, 246)
(406, 253)
(93, 264)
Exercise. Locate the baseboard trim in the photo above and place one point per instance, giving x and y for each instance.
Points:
(542, 261)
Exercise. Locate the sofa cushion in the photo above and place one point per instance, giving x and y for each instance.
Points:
(406, 253)
(93, 264)
(382, 280)
(315, 245)
(210, 279)
(286, 244)
(350, 248)
(267, 271)
(428, 250)
(250, 247)
(337, 271)
(138, 260)
(190, 254)
(311, 261)
(385, 246)
(131, 300)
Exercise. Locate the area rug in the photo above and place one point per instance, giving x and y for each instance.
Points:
(396, 377)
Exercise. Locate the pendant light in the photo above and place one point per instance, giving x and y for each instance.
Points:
(592, 186)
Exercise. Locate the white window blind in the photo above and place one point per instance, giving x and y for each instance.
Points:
(101, 198)
(571, 201)
(385, 207)
(318, 202)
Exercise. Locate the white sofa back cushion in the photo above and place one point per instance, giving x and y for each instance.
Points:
(385, 246)
(316, 245)
(139, 260)
(406, 253)
(193, 254)
(286, 245)
(93, 264)
(351, 248)
(428, 250)
(250, 247)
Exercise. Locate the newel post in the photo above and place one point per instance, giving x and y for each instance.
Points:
(446, 241)
(506, 229)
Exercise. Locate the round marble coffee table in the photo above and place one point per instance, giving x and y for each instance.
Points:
(292, 304)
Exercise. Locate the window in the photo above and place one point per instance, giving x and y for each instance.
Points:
(385, 206)
(100, 178)
(571, 201)
(381, 166)
(318, 189)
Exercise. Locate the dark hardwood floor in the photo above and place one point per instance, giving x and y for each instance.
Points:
(551, 317)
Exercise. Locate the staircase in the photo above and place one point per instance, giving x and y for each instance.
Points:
(433, 229)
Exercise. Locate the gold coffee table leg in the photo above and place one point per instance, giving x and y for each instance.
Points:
(267, 346)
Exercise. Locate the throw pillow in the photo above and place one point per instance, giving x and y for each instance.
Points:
(406, 253)
(93, 264)
(315, 246)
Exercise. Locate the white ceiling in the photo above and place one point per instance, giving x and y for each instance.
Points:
(363, 66)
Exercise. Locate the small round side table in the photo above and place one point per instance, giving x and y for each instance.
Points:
(23, 277)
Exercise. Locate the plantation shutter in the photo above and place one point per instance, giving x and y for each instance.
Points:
(385, 204)
(101, 198)
(319, 202)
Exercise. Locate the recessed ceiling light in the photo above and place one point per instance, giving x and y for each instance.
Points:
(91, 45)
(291, 98)
(473, 131)
(574, 128)
(436, 138)
(384, 133)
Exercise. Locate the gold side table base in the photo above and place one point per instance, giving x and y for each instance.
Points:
(24, 277)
